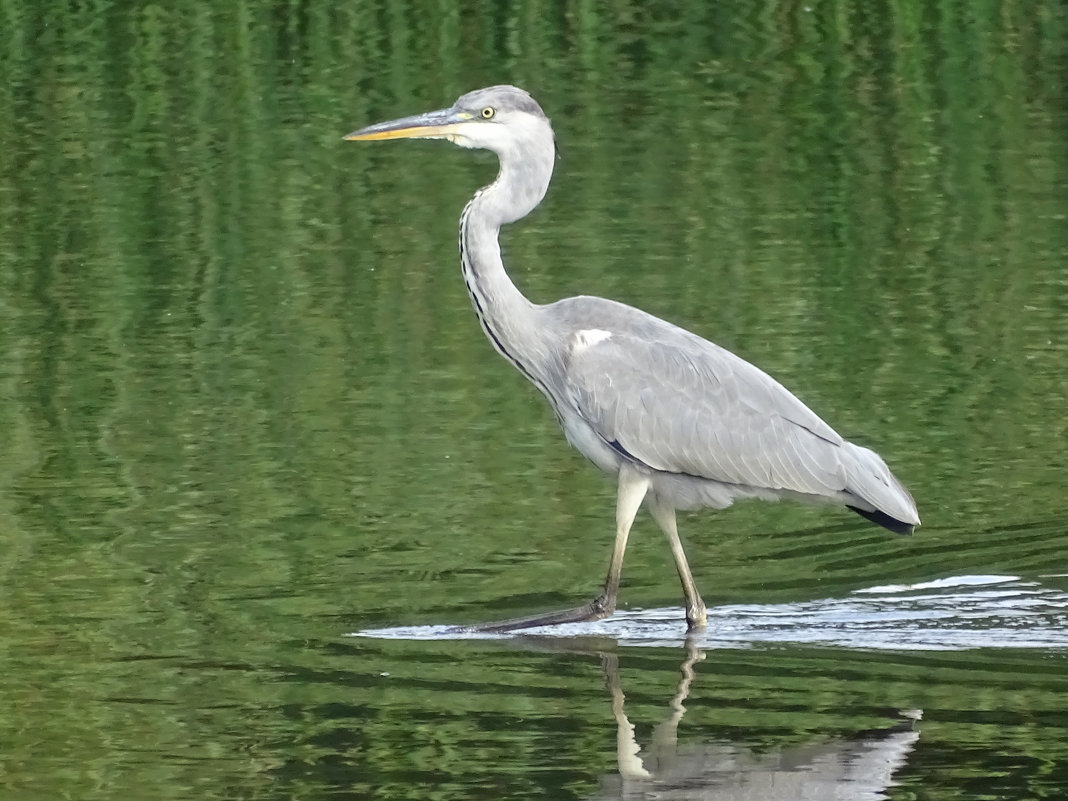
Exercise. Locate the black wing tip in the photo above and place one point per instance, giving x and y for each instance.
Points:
(886, 521)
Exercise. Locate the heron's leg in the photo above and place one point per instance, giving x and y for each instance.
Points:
(632, 488)
(664, 515)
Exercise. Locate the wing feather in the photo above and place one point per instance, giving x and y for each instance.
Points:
(681, 404)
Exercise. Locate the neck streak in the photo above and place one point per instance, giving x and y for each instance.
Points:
(502, 310)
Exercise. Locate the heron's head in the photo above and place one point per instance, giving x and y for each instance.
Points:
(503, 119)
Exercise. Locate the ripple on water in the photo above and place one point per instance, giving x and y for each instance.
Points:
(954, 613)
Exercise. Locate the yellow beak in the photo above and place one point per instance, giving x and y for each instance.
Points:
(432, 125)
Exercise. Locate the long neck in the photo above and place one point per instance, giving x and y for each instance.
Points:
(505, 314)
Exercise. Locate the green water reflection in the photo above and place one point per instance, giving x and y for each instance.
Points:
(245, 407)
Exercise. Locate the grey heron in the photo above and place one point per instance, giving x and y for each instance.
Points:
(681, 422)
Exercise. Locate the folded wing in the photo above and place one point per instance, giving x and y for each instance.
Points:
(692, 407)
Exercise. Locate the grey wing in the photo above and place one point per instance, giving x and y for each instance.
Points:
(681, 404)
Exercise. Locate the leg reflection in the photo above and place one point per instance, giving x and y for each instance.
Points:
(860, 767)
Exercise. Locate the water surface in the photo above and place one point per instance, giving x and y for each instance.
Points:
(246, 411)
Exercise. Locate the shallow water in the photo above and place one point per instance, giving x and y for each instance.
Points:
(246, 412)
(957, 613)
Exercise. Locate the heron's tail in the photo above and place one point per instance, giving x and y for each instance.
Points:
(880, 497)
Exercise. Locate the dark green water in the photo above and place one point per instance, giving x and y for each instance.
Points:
(246, 411)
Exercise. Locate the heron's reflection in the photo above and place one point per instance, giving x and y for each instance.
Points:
(859, 768)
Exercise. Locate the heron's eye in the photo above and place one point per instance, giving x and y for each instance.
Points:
(488, 112)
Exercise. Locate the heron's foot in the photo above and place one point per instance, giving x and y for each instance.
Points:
(599, 608)
(696, 616)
